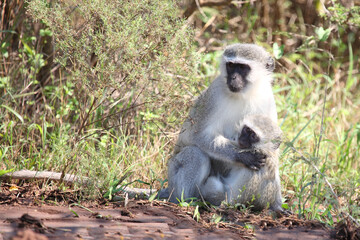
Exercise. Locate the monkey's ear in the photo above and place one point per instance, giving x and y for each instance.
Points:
(270, 64)
(276, 142)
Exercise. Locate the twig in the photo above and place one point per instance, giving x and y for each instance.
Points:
(117, 112)
(210, 22)
(87, 116)
(322, 122)
(202, 3)
(199, 8)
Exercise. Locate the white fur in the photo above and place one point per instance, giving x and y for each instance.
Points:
(257, 99)
(237, 60)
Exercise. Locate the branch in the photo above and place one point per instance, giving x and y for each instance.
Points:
(70, 179)
(203, 3)
(28, 174)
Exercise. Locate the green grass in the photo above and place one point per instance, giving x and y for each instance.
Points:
(323, 128)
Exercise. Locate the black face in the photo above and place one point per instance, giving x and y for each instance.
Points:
(237, 75)
(247, 138)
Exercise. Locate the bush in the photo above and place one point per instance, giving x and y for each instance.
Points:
(119, 80)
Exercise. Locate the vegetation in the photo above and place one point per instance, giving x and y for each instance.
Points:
(100, 90)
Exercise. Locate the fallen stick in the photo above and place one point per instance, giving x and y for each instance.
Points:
(28, 174)
(69, 179)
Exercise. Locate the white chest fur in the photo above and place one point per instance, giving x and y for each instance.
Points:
(226, 120)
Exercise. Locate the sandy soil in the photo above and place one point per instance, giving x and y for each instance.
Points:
(31, 213)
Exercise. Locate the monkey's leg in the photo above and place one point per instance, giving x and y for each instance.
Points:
(214, 190)
(276, 206)
(187, 172)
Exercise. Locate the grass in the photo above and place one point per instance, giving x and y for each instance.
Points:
(126, 136)
(324, 131)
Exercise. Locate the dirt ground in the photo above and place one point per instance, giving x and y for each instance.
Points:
(28, 212)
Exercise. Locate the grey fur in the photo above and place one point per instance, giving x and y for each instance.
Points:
(205, 153)
(251, 52)
(259, 189)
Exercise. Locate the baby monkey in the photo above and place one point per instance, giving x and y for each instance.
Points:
(258, 186)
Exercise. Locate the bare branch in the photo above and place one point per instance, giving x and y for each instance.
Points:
(28, 174)
(204, 3)
(70, 179)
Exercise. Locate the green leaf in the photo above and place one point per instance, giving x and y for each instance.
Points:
(28, 49)
(196, 214)
(153, 196)
(216, 218)
(2, 172)
(285, 206)
(278, 50)
(13, 111)
(46, 32)
(8, 31)
(249, 226)
(322, 33)
(75, 213)
(3, 49)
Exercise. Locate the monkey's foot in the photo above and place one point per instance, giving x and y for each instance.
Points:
(253, 160)
(280, 212)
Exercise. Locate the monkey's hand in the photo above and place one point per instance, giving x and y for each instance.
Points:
(251, 159)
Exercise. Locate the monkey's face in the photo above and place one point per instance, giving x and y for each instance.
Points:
(246, 65)
(259, 132)
(237, 74)
(247, 138)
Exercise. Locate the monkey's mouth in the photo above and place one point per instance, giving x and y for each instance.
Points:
(234, 89)
(235, 85)
(243, 146)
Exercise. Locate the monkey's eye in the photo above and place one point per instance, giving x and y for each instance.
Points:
(247, 130)
(230, 64)
(244, 66)
(254, 138)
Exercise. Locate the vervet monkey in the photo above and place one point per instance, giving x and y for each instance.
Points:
(205, 144)
(259, 189)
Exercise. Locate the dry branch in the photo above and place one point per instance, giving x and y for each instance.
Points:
(70, 179)
(204, 3)
(28, 174)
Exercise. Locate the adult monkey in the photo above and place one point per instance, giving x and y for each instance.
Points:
(204, 145)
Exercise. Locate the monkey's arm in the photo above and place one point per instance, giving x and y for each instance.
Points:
(223, 149)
